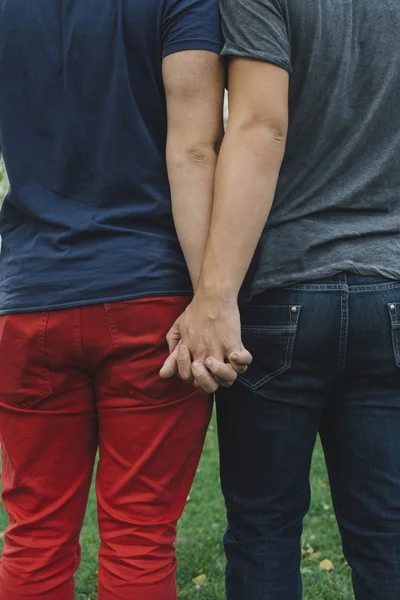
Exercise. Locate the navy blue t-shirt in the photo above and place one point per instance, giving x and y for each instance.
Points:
(83, 133)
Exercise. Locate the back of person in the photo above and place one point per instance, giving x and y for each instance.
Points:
(337, 204)
(104, 105)
(314, 139)
(83, 132)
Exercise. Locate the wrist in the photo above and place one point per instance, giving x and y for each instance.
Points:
(216, 292)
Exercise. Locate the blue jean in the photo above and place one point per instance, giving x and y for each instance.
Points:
(327, 360)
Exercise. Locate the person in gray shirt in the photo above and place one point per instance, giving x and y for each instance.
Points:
(306, 223)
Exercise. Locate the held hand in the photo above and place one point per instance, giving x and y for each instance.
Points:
(206, 379)
(209, 333)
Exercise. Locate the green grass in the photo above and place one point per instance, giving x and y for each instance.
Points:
(199, 542)
(3, 181)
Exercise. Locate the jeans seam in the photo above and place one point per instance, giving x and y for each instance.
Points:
(77, 332)
(312, 287)
(373, 287)
(337, 287)
(45, 369)
(270, 376)
(394, 326)
(269, 327)
(111, 327)
(344, 324)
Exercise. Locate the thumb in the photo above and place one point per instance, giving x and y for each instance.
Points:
(170, 366)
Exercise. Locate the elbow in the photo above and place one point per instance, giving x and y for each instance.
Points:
(272, 130)
(202, 153)
(278, 133)
(193, 155)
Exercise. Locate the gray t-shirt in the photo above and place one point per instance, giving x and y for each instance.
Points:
(337, 205)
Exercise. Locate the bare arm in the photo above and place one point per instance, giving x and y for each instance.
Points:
(246, 179)
(194, 90)
(247, 174)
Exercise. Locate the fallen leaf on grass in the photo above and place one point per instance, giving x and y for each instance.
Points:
(307, 551)
(326, 565)
(200, 580)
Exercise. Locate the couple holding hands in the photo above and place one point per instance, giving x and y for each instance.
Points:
(125, 198)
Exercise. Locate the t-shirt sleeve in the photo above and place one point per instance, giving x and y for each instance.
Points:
(191, 25)
(256, 29)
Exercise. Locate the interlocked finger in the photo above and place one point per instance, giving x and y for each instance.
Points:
(203, 380)
(223, 373)
(185, 364)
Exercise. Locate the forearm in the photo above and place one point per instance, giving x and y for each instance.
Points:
(245, 185)
(191, 176)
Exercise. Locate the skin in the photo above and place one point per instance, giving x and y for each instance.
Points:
(194, 87)
(246, 178)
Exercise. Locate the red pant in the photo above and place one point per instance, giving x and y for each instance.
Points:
(71, 382)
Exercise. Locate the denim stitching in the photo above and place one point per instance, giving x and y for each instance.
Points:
(45, 369)
(311, 287)
(373, 287)
(112, 328)
(256, 386)
(115, 341)
(268, 327)
(292, 330)
(330, 287)
(344, 324)
(394, 328)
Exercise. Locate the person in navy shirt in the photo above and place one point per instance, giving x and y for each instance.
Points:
(110, 123)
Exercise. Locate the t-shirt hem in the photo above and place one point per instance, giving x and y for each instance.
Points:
(191, 44)
(234, 50)
(94, 301)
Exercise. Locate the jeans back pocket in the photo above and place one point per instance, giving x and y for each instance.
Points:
(269, 333)
(24, 375)
(138, 330)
